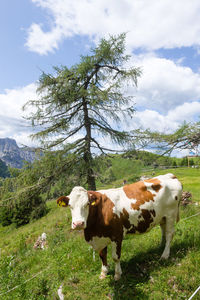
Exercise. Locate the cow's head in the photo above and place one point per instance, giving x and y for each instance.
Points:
(79, 201)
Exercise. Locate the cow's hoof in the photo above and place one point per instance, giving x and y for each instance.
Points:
(102, 276)
(164, 257)
(117, 276)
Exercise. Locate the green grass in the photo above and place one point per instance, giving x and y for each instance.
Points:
(68, 260)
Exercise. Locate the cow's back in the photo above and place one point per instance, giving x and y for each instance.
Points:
(145, 203)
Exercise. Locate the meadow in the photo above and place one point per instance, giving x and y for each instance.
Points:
(26, 273)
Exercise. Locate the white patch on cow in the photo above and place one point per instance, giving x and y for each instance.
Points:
(118, 198)
(114, 195)
(118, 270)
(99, 243)
(78, 203)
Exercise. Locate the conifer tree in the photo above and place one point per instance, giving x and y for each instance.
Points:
(77, 105)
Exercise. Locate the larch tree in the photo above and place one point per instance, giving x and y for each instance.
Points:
(80, 104)
(185, 137)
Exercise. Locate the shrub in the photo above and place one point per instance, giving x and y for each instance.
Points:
(28, 206)
(6, 212)
(6, 215)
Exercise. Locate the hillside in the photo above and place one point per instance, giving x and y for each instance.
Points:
(13, 155)
(27, 273)
(131, 165)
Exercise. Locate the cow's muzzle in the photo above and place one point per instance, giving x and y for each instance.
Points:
(78, 225)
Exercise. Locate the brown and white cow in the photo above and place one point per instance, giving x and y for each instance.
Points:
(107, 215)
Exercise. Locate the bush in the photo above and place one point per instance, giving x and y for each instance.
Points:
(184, 161)
(174, 164)
(26, 206)
(5, 215)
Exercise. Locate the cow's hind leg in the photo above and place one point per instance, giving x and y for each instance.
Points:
(104, 268)
(169, 232)
(163, 231)
(116, 253)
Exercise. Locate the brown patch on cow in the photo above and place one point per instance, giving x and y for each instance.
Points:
(103, 256)
(124, 218)
(118, 249)
(132, 229)
(152, 211)
(144, 224)
(174, 177)
(105, 206)
(156, 186)
(94, 197)
(139, 192)
(102, 221)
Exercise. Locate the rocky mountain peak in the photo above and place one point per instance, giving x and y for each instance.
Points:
(13, 155)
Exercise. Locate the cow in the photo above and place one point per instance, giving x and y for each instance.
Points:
(107, 215)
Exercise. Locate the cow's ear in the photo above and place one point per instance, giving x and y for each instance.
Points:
(63, 201)
(93, 198)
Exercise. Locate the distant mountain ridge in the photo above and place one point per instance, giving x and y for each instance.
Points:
(14, 156)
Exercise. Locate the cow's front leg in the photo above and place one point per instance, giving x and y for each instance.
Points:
(104, 268)
(169, 236)
(116, 253)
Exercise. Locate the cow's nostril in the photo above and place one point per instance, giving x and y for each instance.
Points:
(78, 225)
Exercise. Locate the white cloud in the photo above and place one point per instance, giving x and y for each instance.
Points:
(12, 124)
(164, 84)
(166, 123)
(43, 42)
(12, 100)
(186, 112)
(151, 24)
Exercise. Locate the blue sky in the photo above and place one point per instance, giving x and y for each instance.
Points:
(20, 65)
(163, 38)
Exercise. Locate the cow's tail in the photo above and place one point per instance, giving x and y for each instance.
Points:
(178, 214)
(178, 210)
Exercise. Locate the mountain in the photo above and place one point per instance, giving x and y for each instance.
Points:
(14, 156)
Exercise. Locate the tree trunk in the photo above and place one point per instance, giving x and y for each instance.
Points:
(87, 153)
(90, 174)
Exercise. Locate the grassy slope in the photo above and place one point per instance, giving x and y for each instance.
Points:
(69, 260)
